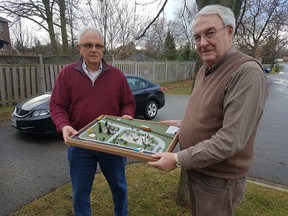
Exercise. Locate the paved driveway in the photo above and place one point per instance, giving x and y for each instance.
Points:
(29, 167)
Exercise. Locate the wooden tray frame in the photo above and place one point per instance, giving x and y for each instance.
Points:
(76, 141)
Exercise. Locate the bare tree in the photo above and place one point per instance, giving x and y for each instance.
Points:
(39, 12)
(103, 15)
(72, 20)
(122, 23)
(63, 26)
(23, 39)
(235, 5)
(273, 46)
(118, 20)
(125, 18)
(155, 37)
(262, 21)
(153, 20)
(42, 13)
(184, 18)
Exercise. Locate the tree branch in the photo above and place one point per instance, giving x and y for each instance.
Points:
(145, 30)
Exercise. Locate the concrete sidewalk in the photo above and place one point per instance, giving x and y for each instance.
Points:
(267, 184)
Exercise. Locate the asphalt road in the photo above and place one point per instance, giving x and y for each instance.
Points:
(32, 166)
(271, 146)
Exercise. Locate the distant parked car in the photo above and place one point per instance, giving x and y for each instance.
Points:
(267, 70)
(33, 115)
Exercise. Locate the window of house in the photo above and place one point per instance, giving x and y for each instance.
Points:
(1, 26)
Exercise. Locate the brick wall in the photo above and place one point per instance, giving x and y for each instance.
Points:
(4, 34)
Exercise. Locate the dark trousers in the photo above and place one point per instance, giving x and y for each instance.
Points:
(83, 166)
(212, 196)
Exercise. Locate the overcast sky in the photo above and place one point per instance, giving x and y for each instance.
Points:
(171, 7)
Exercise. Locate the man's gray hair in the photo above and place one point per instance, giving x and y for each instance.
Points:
(225, 14)
(89, 29)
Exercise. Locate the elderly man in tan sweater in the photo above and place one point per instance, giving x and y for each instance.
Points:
(218, 130)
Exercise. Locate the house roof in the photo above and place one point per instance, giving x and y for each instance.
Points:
(3, 19)
(4, 41)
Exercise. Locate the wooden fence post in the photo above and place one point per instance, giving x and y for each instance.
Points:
(15, 79)
(41, 88)
(135, 67)
(153, 70)
(2, 87)
(166, 71)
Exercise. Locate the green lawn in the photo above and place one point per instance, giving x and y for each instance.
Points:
(152, 193)
(183, 87)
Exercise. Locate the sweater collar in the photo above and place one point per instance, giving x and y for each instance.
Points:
(79, 67)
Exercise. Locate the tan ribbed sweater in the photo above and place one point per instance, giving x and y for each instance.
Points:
(218, 130)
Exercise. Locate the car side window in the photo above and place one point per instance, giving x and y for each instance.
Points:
(136, 84)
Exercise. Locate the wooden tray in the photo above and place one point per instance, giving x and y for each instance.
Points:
(135, 138)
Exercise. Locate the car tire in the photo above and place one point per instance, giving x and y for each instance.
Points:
(151, 110)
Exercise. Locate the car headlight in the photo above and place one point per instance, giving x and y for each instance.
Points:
(38, 113)
(14, 112)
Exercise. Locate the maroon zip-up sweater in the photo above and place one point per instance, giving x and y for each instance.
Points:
(76, 101)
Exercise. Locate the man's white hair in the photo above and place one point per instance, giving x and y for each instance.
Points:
(225, 14)
(89, 29)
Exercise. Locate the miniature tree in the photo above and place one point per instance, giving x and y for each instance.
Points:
(106, 123)
(100, 128)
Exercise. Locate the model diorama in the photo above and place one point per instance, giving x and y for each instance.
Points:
(125, 136)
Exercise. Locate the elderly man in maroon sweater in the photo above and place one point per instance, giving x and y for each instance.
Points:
(218, 130)
(82, 92)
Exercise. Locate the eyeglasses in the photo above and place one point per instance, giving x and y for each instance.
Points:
(90, 46)
(207, 35)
